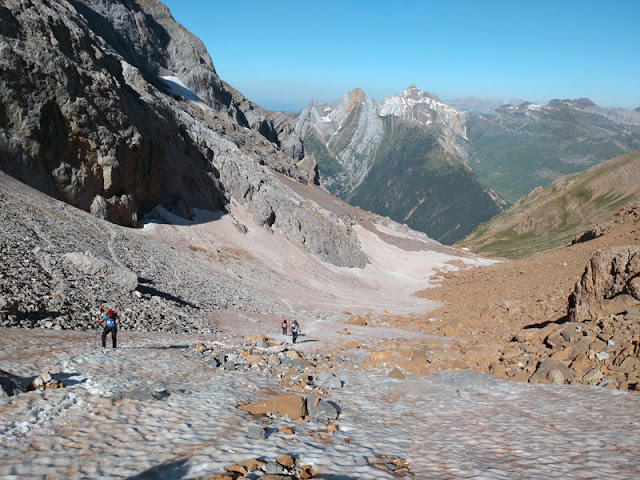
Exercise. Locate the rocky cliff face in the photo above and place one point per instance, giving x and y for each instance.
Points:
(610, 284)
(115, 108)
(343, 137)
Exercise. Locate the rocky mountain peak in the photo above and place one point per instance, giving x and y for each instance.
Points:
(412, 91)
(420, 107)
(584, 103)
(357, 96)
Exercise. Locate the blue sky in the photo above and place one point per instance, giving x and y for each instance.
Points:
(283, 53)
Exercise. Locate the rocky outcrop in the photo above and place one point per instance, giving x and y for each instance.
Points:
(591, 233)
(115, 108)
(276, 127)
(46, 381)
(609, 285)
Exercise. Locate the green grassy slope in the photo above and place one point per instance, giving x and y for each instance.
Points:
(550, 217)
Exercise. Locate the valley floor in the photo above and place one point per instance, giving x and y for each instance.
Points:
(455, 425)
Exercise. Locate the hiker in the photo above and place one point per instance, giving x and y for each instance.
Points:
(295, 330)
(111, 325)
(284, 326)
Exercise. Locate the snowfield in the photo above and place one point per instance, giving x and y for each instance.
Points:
(456, 425)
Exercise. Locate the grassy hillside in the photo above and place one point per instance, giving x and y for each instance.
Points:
(415, 181)
(550, 217)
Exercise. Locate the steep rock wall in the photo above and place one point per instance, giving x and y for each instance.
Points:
(86, 117)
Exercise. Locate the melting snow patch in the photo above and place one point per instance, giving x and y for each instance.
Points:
(180, 89)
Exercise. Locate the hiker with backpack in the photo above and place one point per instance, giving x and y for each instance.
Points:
(111, 325)
(284, 326)
(295, 330)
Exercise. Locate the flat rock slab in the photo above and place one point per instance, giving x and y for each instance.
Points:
(288, 404)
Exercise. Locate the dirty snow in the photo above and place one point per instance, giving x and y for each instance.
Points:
(457, 425)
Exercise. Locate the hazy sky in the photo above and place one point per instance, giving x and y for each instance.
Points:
(283, 53)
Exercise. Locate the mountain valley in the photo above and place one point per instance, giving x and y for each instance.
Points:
(132, 177)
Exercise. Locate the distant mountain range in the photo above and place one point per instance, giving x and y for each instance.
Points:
(443, 171)
(402, 158)
(481, 105)
(517, 148)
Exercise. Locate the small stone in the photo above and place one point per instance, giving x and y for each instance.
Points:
(327, 380)
(286, 461)
(397, 374)
(273, 468)
(223, 476)
(252, 464)
(593, 375)
(241, 469)
(322, 410)
(256, 433)
(306, 472)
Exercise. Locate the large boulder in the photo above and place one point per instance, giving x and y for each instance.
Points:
(552, 371)
(609, 285)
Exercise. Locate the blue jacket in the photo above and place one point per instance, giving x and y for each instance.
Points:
(110, 322)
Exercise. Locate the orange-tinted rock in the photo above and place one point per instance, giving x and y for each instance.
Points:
(288, 404)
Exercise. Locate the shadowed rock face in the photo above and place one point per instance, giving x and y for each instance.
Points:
(89, 114)
(76, 124)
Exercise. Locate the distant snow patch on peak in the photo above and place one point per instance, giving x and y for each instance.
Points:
(420, 107)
